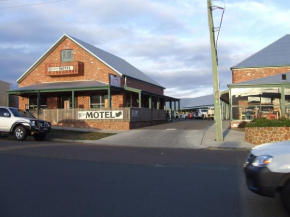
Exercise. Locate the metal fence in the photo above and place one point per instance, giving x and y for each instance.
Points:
(129, 114)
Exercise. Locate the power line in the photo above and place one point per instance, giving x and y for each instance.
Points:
(20, 6)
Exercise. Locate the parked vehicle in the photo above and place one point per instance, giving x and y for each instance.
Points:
(210, 113)
(184, 116)
(200, 113)
(22, 124)
(267, 170)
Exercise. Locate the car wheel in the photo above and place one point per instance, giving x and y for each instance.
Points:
(285, 196)
(186, 117)
(39, 137)
(20, 133)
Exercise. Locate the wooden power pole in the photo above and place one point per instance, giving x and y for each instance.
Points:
(216, 91)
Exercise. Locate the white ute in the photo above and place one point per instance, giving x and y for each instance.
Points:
(267, 170)
(14, 122)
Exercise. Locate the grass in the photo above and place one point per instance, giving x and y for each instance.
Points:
(76, 135)
(67, 134)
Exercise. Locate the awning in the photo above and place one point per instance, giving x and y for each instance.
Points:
(62, 86)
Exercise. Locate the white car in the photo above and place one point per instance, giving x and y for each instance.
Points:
(184, 116)
(20, 126)
(267, 170)
(200, 113)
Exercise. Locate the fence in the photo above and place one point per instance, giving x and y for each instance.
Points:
(129, 114)
(146, 114)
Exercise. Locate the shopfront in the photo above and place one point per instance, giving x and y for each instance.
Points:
(250, 101)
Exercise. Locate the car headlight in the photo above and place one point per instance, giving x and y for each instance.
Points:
(32, 123)
(262, 160)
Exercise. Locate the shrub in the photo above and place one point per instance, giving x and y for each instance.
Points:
(242, 124)
(269, 123)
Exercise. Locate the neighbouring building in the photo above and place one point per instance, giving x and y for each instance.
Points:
(261, 84)
(77, 84)
(4, 86)
(205, 102)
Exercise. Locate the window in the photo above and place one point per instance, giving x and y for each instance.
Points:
(255, 102)
(33, 101)
(66, 56)
(99, 100)
(2, 111)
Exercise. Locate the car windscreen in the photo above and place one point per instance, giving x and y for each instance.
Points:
(26, 113)
(15, 112)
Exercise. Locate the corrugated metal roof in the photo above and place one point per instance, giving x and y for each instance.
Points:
(275, 79)
(117, 63)
(276, 54)
(201, 101)
(61, 85)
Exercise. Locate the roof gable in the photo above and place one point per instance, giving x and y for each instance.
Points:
(276, 54)
(117, 64)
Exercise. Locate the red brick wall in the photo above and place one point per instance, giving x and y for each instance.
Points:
(52, 101)
(96, 125)
(22, 101)
(118, 99)
(144, 86)
(109, 125)
(93, 68)
(83, 99)
(241, 75)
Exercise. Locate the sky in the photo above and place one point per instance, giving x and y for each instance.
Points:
(166, 39)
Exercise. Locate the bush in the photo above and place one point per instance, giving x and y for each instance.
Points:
(269, 123)
(242, 124)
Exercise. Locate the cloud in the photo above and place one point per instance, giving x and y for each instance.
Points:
(166, 39)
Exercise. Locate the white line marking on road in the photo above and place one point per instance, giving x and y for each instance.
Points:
(171, 129)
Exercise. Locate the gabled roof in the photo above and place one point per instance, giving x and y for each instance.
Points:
(274, 79)
(118, 64)
(276, 54)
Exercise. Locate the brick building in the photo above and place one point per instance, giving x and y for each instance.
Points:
(272, 60)
(260, 84)
(73, 74)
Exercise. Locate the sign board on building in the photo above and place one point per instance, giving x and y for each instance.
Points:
(62, 68)
(115, 80)
(101, 115)
(135, 113)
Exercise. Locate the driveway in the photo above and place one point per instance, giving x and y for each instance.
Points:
(181, 134)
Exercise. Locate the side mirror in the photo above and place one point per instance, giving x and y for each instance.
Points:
(6, 114)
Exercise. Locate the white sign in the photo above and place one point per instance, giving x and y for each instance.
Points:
(135, 113)
(100, 115)
(63, 68)
(115, 80)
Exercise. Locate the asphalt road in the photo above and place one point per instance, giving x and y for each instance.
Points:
(39, 179)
